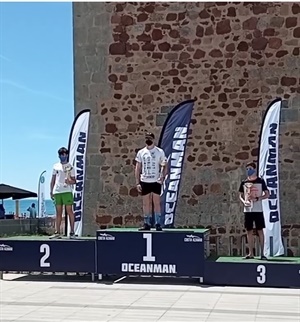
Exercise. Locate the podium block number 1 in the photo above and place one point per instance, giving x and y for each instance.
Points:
(149, 257)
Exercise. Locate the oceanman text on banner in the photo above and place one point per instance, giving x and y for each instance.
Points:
(77, 157)
(173, 140)
(269, 171)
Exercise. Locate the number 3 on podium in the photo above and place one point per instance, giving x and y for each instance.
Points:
(261, 278)
(44, 249)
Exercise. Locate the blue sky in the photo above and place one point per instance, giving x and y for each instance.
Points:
(36, 89)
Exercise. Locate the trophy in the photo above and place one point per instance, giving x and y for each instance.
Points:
(162, 167)
(67, 171)
(248, 202)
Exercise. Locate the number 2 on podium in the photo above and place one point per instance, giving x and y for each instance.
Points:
(261, 278)
(149, 257)
(44, 249)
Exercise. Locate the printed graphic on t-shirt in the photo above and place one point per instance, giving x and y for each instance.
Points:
(151, 163)
(61, 173)
(251, 190)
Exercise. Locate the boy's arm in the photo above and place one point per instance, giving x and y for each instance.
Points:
(52, 183)
(241, 193)
(72, 179)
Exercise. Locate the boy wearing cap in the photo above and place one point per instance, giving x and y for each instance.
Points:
(150, 172)
(63, 177)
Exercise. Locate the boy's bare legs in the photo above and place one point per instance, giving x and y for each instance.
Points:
(58, 220)
(70, 214)
(250, 239)
(157, 211)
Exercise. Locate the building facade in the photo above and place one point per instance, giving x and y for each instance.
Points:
(133, 62)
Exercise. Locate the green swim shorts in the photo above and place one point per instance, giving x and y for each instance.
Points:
(63, 199)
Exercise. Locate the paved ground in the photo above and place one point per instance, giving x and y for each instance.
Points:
(49, 301)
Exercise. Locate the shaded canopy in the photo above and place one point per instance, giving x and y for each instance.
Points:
(7, 191)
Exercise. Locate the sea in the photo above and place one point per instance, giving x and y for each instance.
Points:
(10, 206)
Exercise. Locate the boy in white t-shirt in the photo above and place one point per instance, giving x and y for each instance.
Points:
(150, 172)
(61, 190)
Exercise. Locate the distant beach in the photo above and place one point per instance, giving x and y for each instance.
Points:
(9, 206)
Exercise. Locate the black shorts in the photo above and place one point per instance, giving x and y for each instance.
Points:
(148, 187)
(257, 218)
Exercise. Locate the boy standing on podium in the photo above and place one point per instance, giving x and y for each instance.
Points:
(252, 191)
(150, 172)
(63, 178)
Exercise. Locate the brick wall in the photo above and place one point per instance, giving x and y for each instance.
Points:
(135, 61)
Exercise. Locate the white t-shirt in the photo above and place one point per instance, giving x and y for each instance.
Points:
(151, 163)
(60, 171)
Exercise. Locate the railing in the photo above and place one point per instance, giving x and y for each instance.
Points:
(241, 246)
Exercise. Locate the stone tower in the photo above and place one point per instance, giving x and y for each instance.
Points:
(135, 61)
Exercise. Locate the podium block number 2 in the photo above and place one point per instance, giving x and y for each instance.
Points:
(149, 257)
(44, 249)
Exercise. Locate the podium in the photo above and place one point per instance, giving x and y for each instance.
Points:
(129, 252)
(172, 252)
(236, 271)
(41, 254)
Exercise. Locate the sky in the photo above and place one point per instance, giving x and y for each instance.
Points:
(36, 89)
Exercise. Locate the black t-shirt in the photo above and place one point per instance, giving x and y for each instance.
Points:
(253, 188)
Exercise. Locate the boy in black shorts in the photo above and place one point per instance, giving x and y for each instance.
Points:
(252, 191)
(150, 172)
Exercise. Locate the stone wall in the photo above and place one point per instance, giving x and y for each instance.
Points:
(135, 61)
(28, 226)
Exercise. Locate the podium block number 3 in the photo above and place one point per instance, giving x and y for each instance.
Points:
(45, 249)
(149, 257)
(261, 278)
